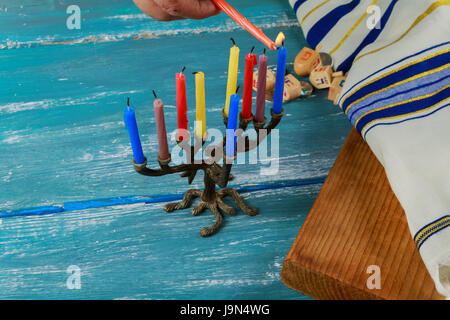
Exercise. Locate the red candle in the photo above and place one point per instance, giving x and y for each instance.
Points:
(250, 62)
(163, 153)
(181, 104)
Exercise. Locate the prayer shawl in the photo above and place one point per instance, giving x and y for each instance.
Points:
(397, 55)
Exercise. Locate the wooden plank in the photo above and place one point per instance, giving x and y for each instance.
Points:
(62, 138)
(356, 221)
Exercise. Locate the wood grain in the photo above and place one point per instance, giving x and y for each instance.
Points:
(356, 221)
(62, 138)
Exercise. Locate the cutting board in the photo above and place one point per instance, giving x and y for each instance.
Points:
(355, 242)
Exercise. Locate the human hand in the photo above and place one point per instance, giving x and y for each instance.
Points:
(168, 10)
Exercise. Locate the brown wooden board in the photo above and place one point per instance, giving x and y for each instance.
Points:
(356, 221)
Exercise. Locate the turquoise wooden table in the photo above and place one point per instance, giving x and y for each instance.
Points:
(62, 139)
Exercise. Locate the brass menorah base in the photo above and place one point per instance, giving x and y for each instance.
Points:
(212, 200)
(214, 174)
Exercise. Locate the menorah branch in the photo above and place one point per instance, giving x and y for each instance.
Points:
(213, 173)
(261, 132)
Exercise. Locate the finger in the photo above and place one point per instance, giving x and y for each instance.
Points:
(150, 8)
(193, 9)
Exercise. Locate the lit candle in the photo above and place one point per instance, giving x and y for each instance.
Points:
(232, 125)
(131, 125)
(181, 104)
(261, 90)
(200, 124)
(279, 84)
(250, 62)
(163, 153)
(232, 75)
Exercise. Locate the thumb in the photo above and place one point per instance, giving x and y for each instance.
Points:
(193, 9)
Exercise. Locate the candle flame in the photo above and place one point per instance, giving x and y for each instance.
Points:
(280, 39)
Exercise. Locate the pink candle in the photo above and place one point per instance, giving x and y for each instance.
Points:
(163, 153)
(261, 88)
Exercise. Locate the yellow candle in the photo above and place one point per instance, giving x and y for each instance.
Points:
(200, 124)
(232, 75)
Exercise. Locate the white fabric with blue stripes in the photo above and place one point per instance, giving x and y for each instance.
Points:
(397, 95)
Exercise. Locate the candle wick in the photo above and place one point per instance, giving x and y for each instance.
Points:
(237, 89)
(154, 93)
(182, 70)
(195, 72)
(264, 52)
(234, 43)
(128, 102)
(253, 48)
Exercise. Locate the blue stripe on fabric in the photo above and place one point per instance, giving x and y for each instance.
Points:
(431, 232)
(404, 120)
(392, 64)
(431, 83)
(429, 224)
(320, 29)
(116, 201)
(395, 77)
(403, 109)
(297, 4)
(371, 37)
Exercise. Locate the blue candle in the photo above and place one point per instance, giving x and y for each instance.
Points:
(279, 85)
(131, 125)
(232, 125)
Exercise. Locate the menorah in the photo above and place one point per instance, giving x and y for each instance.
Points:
(214, 173)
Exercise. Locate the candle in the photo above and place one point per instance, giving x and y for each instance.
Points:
(200, 124)
(232, 125)
(250, 62)
(181, 104)
(131, 125)
(280, 39)
(261, 90)
(233, 65)
(279, 84)
(163, 153)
